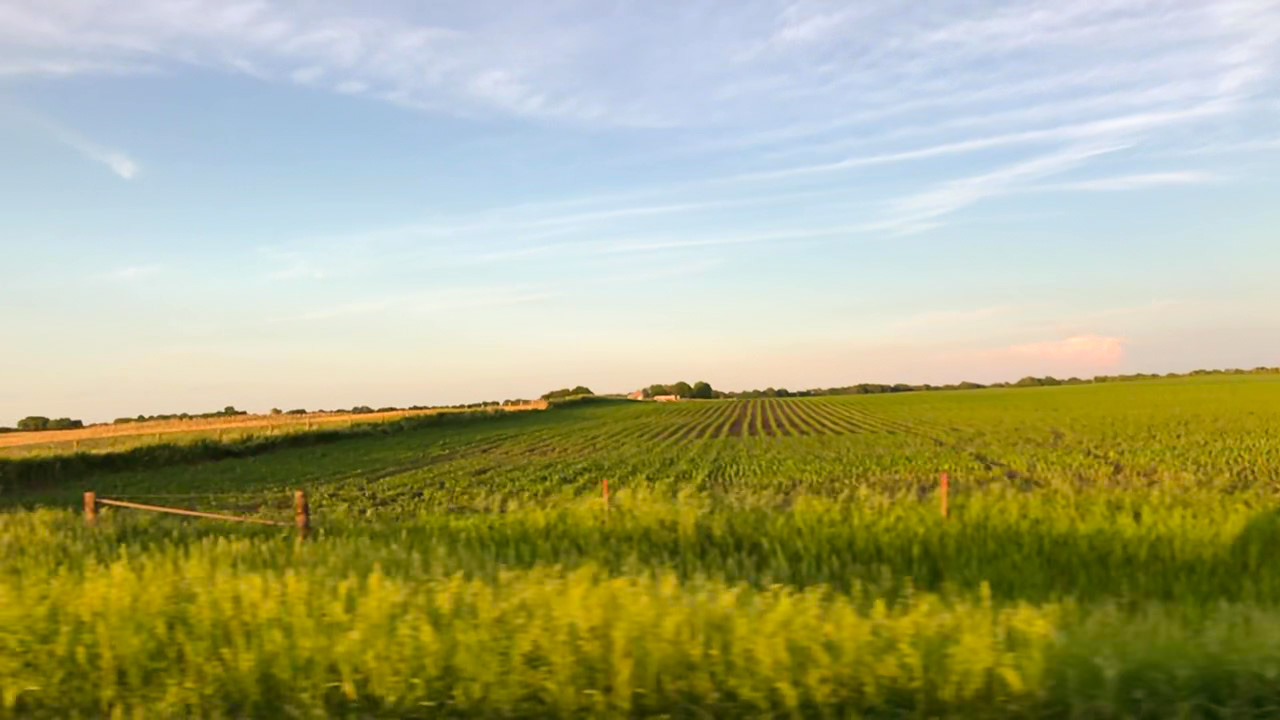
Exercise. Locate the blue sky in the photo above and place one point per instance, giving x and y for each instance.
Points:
(319, 204)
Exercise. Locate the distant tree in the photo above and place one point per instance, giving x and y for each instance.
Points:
(682, 388)
(296, 411)
(567, 392)
(388, 409)
(361, 410)
(277, 411)
(702, 390)
(36, 423)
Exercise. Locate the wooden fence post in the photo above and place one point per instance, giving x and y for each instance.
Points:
(606, 496)
(945, 492)
(301, 513)
(90, 508)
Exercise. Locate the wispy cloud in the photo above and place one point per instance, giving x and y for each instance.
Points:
(1137, 181)
(1018, 92)
(1123, 126)
(635, 64)
(117, 161)
(921, 210)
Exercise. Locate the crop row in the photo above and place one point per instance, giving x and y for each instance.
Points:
(770, 417)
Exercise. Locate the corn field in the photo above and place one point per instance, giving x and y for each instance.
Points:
(1110, 551)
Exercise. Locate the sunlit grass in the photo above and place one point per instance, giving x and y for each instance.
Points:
(1110, 553)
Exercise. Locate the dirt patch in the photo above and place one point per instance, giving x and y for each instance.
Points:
(795, 425)
(764, 421)
(739, 419)
(714, 422)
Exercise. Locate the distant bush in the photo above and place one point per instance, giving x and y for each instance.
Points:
(576, 400)
(700, 390)
(36, 423)
(567, 392)
(228, 411)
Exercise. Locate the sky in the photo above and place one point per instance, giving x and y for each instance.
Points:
(321, 204)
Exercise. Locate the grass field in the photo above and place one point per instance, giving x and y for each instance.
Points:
(1111, 552)
(117, 437)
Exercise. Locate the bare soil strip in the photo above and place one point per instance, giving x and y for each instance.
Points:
(798, 426)
(871, 420)
(765, 418)
(812, 413)
(723, 410)
(705, 416)
(721, 430)
(753, 418)
(739, 418)
(781, 423)
(819, 412)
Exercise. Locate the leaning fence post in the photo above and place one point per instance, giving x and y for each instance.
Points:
(945, 492)
(301, 513)
(90, 508)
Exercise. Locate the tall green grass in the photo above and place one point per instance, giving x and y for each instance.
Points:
(145, 617)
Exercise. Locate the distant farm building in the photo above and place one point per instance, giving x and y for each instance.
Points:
(666, 398)
(637, 395)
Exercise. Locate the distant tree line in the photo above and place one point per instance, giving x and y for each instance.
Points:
(1029, 381)
(37, 423)
(567, 392)
(228, 411)
(700, 390)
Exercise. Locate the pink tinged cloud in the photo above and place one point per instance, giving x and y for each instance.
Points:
(1079, 355)
(1083, 352)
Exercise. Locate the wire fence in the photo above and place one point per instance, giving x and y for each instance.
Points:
(301, 511)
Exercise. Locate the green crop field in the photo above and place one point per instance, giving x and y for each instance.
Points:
(1112, 550)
